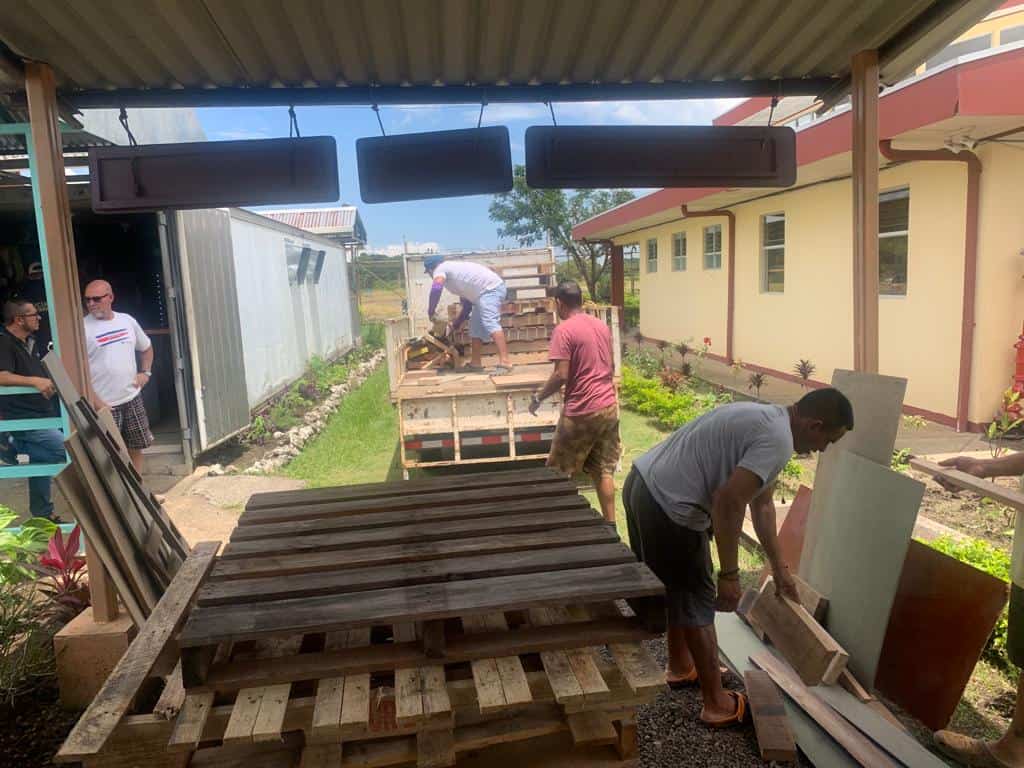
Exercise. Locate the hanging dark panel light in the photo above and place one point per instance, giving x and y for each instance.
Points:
(211, 174)
(590, 156)
(420, 166)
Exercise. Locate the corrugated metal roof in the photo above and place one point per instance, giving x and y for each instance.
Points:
(390, 50)
(343, 221)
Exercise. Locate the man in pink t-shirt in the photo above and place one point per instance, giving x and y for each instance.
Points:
(587, 436)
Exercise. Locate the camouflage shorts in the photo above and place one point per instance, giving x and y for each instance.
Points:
(589, 442)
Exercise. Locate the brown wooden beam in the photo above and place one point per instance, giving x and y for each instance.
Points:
(619, 282)
(40, 88)
(865, 211)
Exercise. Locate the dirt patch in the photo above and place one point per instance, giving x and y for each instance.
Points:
(34, 728)
(969, 514)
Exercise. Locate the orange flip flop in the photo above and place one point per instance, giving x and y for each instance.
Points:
(689, 680)
(735, 718)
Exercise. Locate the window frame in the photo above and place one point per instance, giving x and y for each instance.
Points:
(904, 233)
(679, 263)
(716, 253)
(650, 260)
(764, 253)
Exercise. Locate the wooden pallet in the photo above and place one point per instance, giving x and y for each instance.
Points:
(513, 541)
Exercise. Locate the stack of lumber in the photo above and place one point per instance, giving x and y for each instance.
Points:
(383, 624)
(129, 535)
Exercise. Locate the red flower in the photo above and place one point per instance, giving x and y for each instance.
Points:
(707, 341)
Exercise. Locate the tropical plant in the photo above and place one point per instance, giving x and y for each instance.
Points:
(900, 460)
(638, 337)
(804, 369)
(20, 548)
(643, 361)
(755, 382)
(1007, 420)
(60, 571)
(683, 349)
(26, 647)
(670, 379)
(736, 366)
(662, 346)
(702, 352)
(647, 396)
(911, 421)
(686, 369)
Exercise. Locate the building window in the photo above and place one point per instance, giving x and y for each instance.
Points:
(956, 50)
(773, 253)
(679, 252)
(713, 247)
(893, 239)
(652, 255)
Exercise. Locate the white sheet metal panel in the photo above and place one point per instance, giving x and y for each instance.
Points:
(286, 325)
(418, 282)
(213, 326)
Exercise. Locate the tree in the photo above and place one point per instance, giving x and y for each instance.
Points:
(530, 215)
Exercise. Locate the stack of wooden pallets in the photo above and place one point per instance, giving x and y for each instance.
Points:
(391, 623)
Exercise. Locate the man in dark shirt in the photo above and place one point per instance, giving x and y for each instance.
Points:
(21, 367)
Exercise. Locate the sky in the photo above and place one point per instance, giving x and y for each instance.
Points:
(448, 224)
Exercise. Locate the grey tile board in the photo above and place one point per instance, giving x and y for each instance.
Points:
(877, 405)
(736, 644)
(893, 740)
(863, 516)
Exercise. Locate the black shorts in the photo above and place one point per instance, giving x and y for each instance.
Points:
(679, 556)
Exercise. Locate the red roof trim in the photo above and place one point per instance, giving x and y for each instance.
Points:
(988, 86)
(746, 109)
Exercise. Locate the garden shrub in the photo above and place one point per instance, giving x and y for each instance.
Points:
(994, 562)
(668, 409)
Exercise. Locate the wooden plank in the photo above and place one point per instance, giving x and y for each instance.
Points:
(99, 545)
(641, 672)
(271, 716)
(501, 682)
(326, 723)
(172, 698)
(851, 685)
(243, 715)
(287, 565)
(383, 658)
(190, 722)
(115, 697)
(320, 756)
(747, 601)
(411, 501)
(435, 749)
(433, 639)
(436, 702)
(262, 589)
(211, 625)
(588, 675)
(866, 515)
(408, 697)
(562, 679)
(447, 530)
(815, 655)
(815, 603)
(591, 729)
(1009, 497)
(421, 516)
(625, 745)
(859, 746)
(774, 737)
(422, 487)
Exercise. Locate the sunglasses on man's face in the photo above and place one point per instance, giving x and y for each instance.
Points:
(29, 314)
(95, 299)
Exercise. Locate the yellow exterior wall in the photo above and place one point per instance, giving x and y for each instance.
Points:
(813, 317)
(991, 26)
(999, 308)
(678, 306)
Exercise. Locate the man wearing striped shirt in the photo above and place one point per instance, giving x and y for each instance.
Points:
(112, 340)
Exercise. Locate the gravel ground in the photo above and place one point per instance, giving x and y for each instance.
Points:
(670, 733)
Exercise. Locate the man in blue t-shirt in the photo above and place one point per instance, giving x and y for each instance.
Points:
(697, 484)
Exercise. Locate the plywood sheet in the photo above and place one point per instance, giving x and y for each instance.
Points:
(942, 615)
(877, 404)
(863, 516)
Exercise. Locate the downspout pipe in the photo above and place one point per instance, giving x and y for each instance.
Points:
(973, 163)
(730, 302)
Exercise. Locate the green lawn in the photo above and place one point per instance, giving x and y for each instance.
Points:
(359, 444)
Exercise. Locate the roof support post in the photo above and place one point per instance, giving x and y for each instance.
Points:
(865, 211)
(618, 281)
(55, 208)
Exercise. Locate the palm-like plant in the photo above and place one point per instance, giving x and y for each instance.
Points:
(804, 369)
(662, 345)
(755, 382)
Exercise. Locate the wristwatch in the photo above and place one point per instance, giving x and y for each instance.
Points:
(147, 374)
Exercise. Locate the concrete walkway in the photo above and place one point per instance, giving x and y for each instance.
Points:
(931, 438)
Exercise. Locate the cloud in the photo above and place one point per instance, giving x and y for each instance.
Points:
(399, 249)
(240, 133)
(676, 112)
